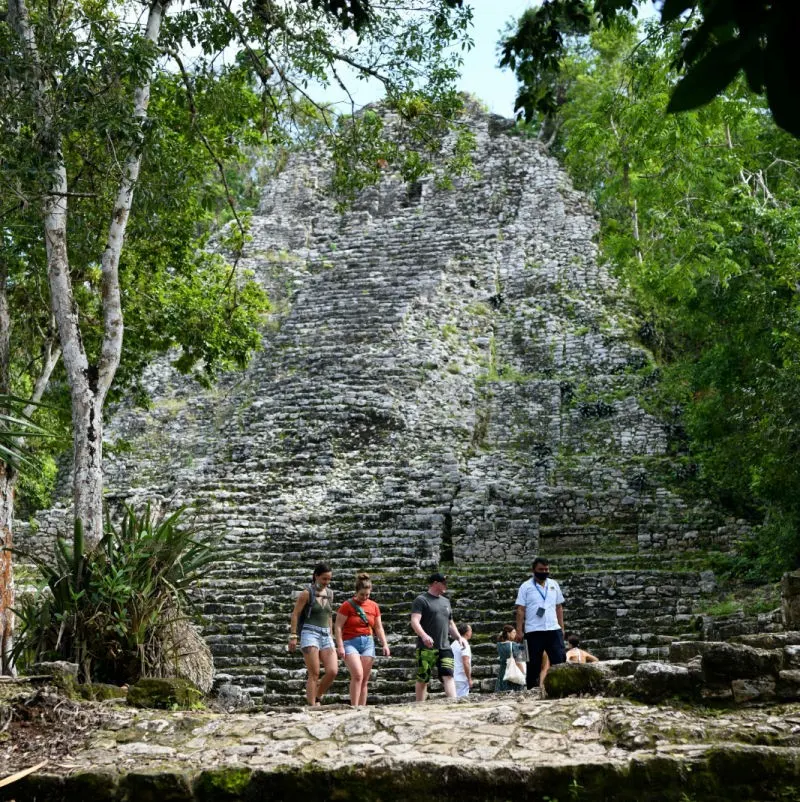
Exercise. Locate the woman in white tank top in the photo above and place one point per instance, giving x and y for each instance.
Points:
(576, 654)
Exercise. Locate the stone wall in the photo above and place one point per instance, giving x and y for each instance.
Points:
(448, 376)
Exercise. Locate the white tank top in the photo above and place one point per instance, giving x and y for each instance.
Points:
(576, 656)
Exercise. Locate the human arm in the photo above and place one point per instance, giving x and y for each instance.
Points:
(560, 617)
(590, 658)
(341, 620)
(456, 635)
(416, 625)
(520, 622)
(378, 628)
(302, 601)
(466, 659)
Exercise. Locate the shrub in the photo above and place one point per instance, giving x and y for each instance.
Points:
(102, 609)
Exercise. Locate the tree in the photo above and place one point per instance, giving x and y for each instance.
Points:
(720, 39)
(79, 77)
(700, 217)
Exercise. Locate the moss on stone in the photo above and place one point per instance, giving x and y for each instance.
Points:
(221, 784)
(574, 678)
(38, 788)
(165, 693)
(98, 786)
(100, 691)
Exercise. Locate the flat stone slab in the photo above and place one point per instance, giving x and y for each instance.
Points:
(513, 746)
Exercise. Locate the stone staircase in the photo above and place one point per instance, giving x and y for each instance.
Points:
(448, 377)
(621, 611)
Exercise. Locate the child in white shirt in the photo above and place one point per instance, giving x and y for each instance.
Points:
(462, 672)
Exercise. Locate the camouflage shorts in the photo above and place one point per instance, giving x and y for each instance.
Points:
(428, 658)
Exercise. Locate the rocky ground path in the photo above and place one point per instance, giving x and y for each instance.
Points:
(512, 746)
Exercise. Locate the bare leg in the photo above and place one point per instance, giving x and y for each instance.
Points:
(311, 656)
(449, 685)
(545, 669)
(366, 666)
(331, 663)
(421, 690)
(353, 663)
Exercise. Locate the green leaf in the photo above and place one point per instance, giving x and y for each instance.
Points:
(672, 9)
(782, 67)
(707, 78)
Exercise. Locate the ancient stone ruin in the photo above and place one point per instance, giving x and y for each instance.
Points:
(450, 379)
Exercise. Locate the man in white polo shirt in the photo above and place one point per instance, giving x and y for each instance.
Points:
(540, 615)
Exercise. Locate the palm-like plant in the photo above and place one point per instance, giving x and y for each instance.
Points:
(15, 428)
(104, 609)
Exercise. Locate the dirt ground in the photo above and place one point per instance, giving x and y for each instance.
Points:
(37, 723)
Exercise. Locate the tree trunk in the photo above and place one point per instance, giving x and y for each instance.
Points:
(7, 491)
(89, 383)
(87, 485)
(7, 482)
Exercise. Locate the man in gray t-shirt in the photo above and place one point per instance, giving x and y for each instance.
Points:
(432, 620)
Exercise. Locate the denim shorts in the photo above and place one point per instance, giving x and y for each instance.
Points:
(361, 644)
(317, 637)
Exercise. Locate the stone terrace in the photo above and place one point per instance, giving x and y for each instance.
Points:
(448, 378)
(501, 748)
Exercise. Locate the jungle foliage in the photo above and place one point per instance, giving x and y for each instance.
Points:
(719, 40)
(700, 216)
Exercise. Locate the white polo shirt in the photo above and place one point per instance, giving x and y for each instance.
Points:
(532, 596)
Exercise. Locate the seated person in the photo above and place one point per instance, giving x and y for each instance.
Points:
(575, 654)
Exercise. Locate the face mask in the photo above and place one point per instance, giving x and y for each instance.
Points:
(540, 575)
(319, 587)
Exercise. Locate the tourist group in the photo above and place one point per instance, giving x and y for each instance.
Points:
(525, 649)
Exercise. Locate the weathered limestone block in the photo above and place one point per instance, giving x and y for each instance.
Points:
(656, 681)
(55, 667)
(682, 651)
(790, 600)
(753, 689)
(769, 640)
(570, 679)
(791, 657)
(617, 668)
(788, 685)
(62, 675)
(736, 661)
(164, 693)
(232, 698)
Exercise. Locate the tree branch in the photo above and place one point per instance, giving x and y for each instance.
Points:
(111, 349)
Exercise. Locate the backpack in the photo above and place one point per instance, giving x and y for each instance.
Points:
(306, 611)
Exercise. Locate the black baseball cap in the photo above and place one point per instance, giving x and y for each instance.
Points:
(437, 577)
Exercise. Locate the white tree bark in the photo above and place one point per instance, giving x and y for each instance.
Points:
(89, 383)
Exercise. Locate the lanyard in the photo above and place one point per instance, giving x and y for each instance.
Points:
(546, 588)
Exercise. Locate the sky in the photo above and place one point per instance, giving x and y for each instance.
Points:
(480, 76)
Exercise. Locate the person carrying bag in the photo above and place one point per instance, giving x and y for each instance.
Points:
(514, 674)
(511, 674)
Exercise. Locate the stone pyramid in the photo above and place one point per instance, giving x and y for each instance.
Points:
(449, 377)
